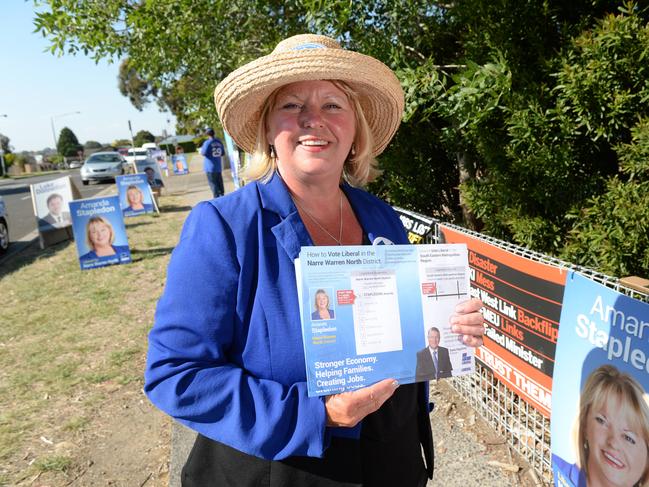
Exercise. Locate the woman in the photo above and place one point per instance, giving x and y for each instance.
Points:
(613, 430)
(100, 237)
(321, 305)
(135, 200)
(611, 433)
(225, 354)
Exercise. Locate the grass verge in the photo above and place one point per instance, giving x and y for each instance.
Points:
(68, 338)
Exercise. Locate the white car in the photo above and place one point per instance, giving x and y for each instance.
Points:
(137, 154)
(4, 227)
(102, 166)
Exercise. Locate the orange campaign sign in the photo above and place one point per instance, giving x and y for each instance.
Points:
(522, 306)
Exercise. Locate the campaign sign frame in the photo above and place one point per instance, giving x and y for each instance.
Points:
(381, 302)
(48, 191)
(233, 157)
(135, 186)
(599, 327)
(160, 157)
(522, 306)
(104, 216)
(418, 226)
(179, 164)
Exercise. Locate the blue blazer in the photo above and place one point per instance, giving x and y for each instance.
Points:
(119, 249)
(316, 315)
(225, 353)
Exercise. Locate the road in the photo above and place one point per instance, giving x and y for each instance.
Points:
(17, 196)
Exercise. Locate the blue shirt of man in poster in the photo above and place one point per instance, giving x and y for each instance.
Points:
(212, 151)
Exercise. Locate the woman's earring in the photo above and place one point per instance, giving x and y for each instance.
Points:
(585, 445)
(353, 150)
(271, 149)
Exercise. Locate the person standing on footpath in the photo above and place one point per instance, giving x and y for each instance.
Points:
(212, 151)
(226, 355)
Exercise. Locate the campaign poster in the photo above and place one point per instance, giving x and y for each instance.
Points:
(233, 156)
(419, 227)
(179, 164)
(600, 410)
(50, 200)
(375, 312)
(99, 232)
(522, 306)
(160, 157)
(135, 196)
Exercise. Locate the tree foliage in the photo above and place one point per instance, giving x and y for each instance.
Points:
(131, 85)
(520, 119)
(142, 137)
(67, 144)
(5, 144)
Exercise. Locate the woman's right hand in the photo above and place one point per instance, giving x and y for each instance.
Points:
(348, 408)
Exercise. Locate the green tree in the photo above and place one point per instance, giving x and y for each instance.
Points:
(121, 143)
(131, 85)
(68, 144)
(5, 144)
(142, 137)
(92, 144)
(516, 110)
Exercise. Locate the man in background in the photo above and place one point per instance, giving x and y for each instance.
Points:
(57, 217)
(154, 182)
(433, 362)
(212, 151)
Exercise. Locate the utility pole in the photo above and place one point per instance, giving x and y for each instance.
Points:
(130, 129)
(2, 153)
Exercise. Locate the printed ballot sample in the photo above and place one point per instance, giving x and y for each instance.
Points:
(375, 312)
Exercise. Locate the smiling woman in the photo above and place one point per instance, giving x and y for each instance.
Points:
(611, 433)
(232, 366)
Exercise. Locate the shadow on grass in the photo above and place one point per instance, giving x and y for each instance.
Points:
(138, 224)
(174, 209)
(27, 253)
(142, 254)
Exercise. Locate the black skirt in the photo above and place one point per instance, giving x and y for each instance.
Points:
(389, 453)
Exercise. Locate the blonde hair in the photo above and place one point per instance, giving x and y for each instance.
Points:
(134, 187)
(315, 298)
(600, 385)
(359, 168)
(94, 220)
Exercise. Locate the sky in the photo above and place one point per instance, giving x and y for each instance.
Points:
(38, 88)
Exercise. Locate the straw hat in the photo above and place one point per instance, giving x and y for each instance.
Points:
(240, 96)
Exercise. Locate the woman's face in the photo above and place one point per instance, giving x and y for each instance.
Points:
(99, 234)
(134, 196)
(617, 450)
(322, 301)
(312, 126)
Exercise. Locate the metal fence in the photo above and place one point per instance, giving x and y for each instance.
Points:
(525, 429)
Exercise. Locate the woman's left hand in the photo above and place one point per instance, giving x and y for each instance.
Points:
(468, 321)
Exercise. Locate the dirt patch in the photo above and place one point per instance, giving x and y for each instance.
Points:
(467, 449)
(125, 444)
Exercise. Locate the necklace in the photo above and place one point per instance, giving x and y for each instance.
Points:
(338, 240)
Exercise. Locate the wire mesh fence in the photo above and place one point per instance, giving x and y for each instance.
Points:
(525, 429)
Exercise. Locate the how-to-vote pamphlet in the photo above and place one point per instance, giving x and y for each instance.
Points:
(374, 312)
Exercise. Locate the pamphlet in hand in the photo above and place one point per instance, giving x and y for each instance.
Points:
(375, 312)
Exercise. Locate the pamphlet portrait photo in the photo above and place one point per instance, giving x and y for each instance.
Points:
(322, 305)
(434, 361)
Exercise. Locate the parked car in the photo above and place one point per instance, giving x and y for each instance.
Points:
(4, 227)
(150, 146)
(137, 154)
(75, 163)
(102, 166)
(142, 164)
